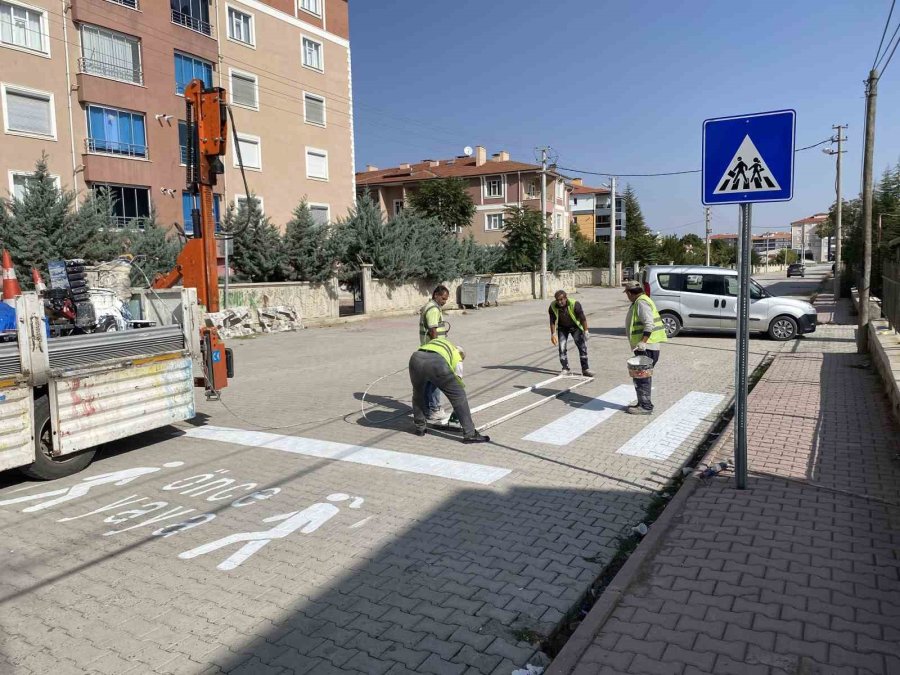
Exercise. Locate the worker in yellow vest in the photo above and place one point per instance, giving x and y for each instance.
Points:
(431, 325)
(439, 361)
(645, 331)
(567, 319)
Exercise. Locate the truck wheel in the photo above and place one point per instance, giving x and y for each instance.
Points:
(783, 328)
(671, 323)
(45, 466)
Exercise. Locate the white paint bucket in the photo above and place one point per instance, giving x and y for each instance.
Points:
(640, 367)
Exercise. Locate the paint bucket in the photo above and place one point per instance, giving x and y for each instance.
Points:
(640, 367)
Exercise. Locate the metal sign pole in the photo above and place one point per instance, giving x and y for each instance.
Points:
(743, 343)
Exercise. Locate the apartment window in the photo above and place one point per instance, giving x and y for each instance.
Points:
(312, 6)
(189, 202)
(116, 132)
(319, 213)
(241, 201)
(21, 181)
(317, 163)
(126, 3)
(312, 54)
(398, 206)
(240, 26)
(493, 186)
(183, 140)
(560, 189)
(251, 151)
(188, 68)
(314, 109)
(23, 27)
(28, 112)
(193, 14)
(532, 189)
(493, 222)
(130, 203)
(110, 54)
(244, 90)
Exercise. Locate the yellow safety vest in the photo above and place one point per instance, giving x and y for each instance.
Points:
(636, 330)
(430, 307)
(555, 309)
(443, 346)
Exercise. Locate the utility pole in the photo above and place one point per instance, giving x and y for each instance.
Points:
(708, 232)
(839, 138)
(613, 280)
(543, 223)
(862, 337)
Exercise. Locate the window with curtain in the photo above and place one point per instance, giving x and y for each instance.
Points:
(23, 27)
(29, 112)
(312, 54)
(240, 26)
(193, 14)
(493, 221)
(312, 6)
(188, 68)
(251, 154)
(116, 132)
(319, 213)
(314, 109)
(244, 90)
(189, 202)
(110, 54)
(130, 203)
(316, 164)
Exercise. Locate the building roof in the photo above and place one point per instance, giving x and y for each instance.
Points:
(767, 235)
(460, 167)
(588, 190)
(814, 219)
(723, 236)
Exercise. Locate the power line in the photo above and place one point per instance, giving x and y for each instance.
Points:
(897, 42)
(878, 54)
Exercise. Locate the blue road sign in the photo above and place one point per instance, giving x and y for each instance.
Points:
(749, 158)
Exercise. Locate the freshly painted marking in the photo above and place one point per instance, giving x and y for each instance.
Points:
(569, 427)
(357, 454)
(535, 404)
(496, 401)
(659, 439)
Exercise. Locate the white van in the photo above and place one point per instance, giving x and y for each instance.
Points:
(705, 298)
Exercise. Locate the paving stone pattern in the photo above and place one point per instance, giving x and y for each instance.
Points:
(800, 572)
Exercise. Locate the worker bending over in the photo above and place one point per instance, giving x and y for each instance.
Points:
(567, 318)
(440, 363)
(431, 325)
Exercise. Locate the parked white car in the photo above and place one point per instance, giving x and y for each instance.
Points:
(705, 298)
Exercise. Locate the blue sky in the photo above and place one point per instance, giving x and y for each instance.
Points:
(621, 86)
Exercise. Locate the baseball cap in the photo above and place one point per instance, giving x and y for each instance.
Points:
(633, 286)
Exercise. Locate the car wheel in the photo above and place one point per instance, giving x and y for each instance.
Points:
(45, 465)
(783, 328)
(671, 323)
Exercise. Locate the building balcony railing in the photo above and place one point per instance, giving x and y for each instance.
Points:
(97, 146)
(128, 223)
(133, 4)
(194, 24)
(124, 72)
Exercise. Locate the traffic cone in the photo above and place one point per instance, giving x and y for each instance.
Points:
(11, 288)
(39, 285)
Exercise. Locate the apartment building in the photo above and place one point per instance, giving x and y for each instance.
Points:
(590, 208)
(98, 86)
(494, 183)
(804, 236)
(766, 243)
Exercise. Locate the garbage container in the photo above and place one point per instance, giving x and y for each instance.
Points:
(468, 293)
(482, 291)
(493, 294)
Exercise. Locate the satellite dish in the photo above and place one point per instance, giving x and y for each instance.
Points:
(467, 151)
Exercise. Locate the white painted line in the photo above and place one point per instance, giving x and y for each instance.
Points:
(546, 399)
(569, 427)
(659, 439)
(357, 454)
(489, 404)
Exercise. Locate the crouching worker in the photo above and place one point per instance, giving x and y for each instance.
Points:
(440, 363)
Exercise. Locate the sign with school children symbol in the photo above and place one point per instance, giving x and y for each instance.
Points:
(749, 158)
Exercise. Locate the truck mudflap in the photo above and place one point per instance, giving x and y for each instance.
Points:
(16, 424)
(99, 404)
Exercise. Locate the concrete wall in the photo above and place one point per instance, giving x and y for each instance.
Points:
(313, 302)
(884, 349)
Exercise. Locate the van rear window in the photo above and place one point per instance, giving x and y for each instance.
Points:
(670, 282)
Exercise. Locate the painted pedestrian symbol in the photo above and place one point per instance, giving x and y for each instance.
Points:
(747, 172)
(307, 521)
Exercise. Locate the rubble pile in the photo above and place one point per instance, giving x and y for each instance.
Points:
(243, 321)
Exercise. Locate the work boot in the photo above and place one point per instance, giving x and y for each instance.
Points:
(587, 372)
(565, 371)
(638, 410)
(477, 438)
(420, 432)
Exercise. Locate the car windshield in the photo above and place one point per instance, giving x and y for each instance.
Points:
(757, 291)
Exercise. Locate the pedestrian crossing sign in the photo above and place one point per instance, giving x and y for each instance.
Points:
(749, 158)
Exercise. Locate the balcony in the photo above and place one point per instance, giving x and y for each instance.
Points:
(96, 146)
(192, 23)
(122, 71)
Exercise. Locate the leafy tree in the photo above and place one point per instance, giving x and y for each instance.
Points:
(722, 254)
(785, 257)
(670, 250)
(446, 200)
(694, 249)
(258, 247)
(308, 246)
(525, 234)
(154, 252)
(589, 253)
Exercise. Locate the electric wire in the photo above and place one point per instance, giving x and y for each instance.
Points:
(896, 42)
(878, 54)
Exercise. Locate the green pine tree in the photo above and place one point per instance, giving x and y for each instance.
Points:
(560, 255)
(308, 246)
(357, 236)
(259, 253)
(640, 244)
(99, 238)
(153, 250)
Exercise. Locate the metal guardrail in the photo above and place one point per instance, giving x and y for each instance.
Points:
(101, 147)
(197, 25)
(124, 72)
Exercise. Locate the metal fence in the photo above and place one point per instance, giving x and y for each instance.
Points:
(890, 276)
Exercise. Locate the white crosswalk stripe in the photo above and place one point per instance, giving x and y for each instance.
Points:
(569, 427)
(659, 439)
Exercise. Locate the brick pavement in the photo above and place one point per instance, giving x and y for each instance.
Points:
(800, 572)
(428, 576)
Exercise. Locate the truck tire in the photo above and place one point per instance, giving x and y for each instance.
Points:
(45, 466)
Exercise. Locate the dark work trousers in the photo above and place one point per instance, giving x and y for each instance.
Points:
(562, 335)
(427, 367)
(644, 386)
